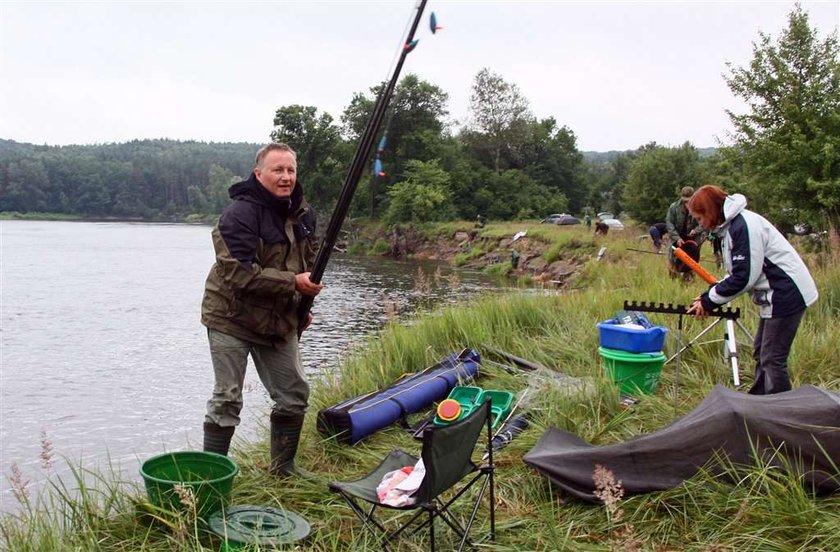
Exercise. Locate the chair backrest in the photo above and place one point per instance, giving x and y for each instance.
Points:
(447, 452)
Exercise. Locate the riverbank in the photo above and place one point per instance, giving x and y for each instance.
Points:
(765, 509)
(527, 252)
(35, 216)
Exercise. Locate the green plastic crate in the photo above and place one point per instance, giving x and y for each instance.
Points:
(500, 404)
(467, 396)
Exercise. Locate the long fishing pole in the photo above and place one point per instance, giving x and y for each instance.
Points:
(351, 181)
(657, 253)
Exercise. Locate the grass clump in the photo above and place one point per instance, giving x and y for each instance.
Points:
(379, 247)
(464, 257)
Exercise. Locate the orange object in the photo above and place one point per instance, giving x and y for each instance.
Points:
(448, 410)
(693, 265)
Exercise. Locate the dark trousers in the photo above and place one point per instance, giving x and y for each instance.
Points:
(656, 236)
(770, 351)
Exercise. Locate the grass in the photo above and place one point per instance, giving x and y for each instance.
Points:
(766, 508)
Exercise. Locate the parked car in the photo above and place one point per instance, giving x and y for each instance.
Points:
(561, 218)
(605, 215)
(613, 223)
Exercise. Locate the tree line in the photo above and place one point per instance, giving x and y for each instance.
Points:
(504, 162)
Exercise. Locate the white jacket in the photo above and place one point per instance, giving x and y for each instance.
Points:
(759, 259)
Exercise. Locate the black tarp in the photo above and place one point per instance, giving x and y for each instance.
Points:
(802, 426)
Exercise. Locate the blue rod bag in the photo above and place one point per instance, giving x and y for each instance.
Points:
(354, 419)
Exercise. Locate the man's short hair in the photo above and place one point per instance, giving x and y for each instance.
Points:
(274, 146)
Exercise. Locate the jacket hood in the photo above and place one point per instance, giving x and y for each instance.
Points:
(732, 207)
(251, 190)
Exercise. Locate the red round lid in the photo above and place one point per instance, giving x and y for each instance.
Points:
(449, 409)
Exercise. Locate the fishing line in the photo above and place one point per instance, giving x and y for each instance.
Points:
(401, 44)
(398, 50)
(397, 53)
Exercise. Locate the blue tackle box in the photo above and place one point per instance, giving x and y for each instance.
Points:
(614, 335)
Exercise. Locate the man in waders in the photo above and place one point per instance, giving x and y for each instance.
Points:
(265, 244)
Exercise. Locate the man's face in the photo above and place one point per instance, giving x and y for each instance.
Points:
(278, 173)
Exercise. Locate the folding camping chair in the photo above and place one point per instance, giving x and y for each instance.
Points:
(446, 454)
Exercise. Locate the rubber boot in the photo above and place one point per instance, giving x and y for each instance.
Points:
(285, 436)
(217, 438)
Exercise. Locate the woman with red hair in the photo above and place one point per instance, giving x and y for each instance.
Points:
(758, 259)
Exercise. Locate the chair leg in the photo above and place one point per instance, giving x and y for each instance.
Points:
(432, 528)
(408, 524)
(369, 523)
(492, 505)
(434, 509)
(448, 516)
(465, 539)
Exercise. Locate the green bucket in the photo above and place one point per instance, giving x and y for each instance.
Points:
(634, 373)
(174, 479)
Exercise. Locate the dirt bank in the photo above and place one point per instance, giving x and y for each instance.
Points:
(526, 252)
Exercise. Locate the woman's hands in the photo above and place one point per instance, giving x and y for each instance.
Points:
(696, 308)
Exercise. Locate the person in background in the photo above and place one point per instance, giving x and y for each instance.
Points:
(657, 232)
(587, 220)
(682, 227)
(759, 260)
(601, 229)
(265, 246)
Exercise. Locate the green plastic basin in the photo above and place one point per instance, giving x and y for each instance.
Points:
(175, 479)
(634, 373)
(500, 404)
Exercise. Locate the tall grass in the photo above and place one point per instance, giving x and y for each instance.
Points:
(762, 508)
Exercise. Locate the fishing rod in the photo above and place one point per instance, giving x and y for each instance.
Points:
(351, 181)
(657, 253)
(643, 251)
(694, 265)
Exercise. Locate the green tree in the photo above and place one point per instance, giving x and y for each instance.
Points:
(554, 161)
(25, 189)
(312, 136)
(790, 134)
(655, 178)
(414, 124)
(725, 168)
(607, 180)
(219, 180)
(424, 195)
(316, 140)
(501, 119)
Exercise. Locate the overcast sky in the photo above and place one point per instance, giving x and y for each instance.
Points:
(619, 74)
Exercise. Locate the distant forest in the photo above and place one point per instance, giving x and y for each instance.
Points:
(145, 179)
(504, 162)
(173, 180)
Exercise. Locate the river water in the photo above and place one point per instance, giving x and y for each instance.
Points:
(103, 360)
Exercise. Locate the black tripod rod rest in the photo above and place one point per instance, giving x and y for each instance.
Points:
(720, 312)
